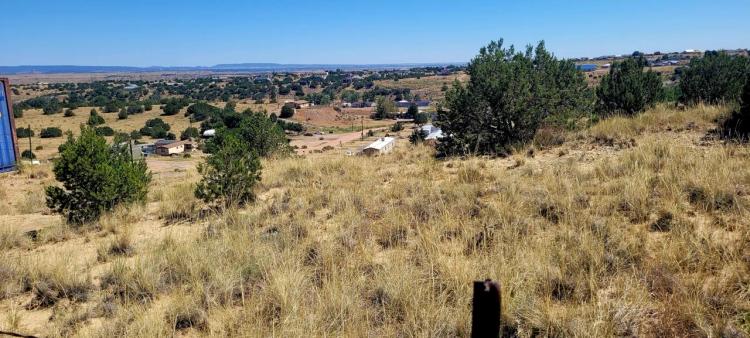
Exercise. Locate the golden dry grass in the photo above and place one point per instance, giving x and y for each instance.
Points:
(648, 238)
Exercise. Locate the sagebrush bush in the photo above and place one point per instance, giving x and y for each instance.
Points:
(95, 177)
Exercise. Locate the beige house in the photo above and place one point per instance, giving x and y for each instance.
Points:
(177, 147)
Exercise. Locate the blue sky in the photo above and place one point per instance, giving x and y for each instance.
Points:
(205, 32)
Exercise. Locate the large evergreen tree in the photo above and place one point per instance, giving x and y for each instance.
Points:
(509, 94)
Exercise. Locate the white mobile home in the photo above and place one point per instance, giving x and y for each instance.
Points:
(383, 145)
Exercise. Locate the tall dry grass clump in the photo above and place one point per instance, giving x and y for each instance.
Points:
(650, 241)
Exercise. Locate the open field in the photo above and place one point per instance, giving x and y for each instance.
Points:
(428, 87)
(634, 227)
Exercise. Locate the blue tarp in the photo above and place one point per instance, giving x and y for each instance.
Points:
(7, 142)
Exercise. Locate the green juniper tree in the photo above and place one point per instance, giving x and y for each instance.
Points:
(95, 178)
(627, 89)
(508, 96)
(229, 174)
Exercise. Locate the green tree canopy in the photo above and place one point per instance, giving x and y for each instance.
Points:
(95, 177)
(714, 78)
(229, 174)
(508, 95)
(627, 89)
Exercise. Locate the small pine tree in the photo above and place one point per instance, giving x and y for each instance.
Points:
(94, 119)
(627, 89)
(95, 178)
(229, 174)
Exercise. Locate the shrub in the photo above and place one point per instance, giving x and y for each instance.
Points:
(69, 113)
(17, 111)
(171, 108)
(412, 111)
(714, 78)
(287, 111)
(259, 132)
(508, 96)
(123, 114)
(417, 136)
(137, 109)
(24, 132)
(627, 89)
(105, 131)
(110, 107)
(50, 132)
(190, 133)
(421, 118)
(229, 174)
(28, 154)
(95, 177)
(155, 128)
(135, 135)
(52, 106)
(738, 124)
(94, 119)
(201, 111)
(397, 127)
(384, 108)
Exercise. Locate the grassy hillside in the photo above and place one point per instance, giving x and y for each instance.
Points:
(637, 226)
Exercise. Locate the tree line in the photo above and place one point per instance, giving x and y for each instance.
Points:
(512, 93)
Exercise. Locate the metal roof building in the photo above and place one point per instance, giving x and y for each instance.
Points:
(381, 146)
(8, 143)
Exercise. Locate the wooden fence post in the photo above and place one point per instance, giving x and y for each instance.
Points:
(485, 310)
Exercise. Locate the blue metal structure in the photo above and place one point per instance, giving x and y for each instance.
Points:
(8, 145)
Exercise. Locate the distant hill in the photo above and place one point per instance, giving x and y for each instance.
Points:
(238, 67)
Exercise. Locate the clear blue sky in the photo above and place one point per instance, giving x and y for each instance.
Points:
(208, 32)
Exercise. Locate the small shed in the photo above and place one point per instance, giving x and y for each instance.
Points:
(8, 141)
(383, 145)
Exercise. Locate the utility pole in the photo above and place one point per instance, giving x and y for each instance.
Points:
(362, 118)
(30, 151)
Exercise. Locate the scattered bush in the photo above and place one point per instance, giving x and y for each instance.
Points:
(95, 177)
(190, 133)
(94, 119)
(69, 113)
(28, 155)
(287, 111)
(24, 132)
(396, 127)
(17, 111)
(155, 128)
(105, 131)
(417, 136)
(122, 115)
(50, 132)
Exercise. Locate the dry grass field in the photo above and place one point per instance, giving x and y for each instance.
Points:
(634, 227)
(37, 120)
(428, 87)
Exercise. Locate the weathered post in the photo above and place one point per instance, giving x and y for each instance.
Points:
(485, 310)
